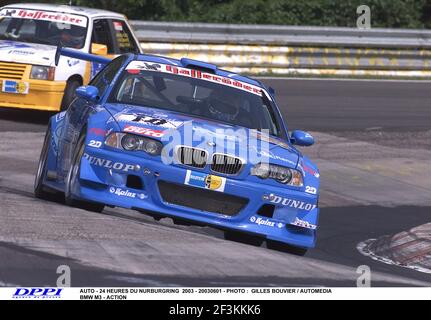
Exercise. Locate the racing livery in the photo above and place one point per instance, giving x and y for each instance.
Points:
(29, 36)
(187, 140)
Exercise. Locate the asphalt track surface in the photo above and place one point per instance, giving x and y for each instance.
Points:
(374, 155)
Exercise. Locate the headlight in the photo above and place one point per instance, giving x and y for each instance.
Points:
(131, 142)
(281, 174)
(42, 73)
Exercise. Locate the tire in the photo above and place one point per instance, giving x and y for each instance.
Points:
(72, 181)
(69, 94)
(40, 190)
(284, 247)
(243, 238)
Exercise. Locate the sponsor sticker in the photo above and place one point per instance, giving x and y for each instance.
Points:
(191, 73)
(309, 170)
(97, 131)
(205, 181)
(108, 164)
(72, 62)
(60, 116)
(10, 86)
(304, 224)
(21, 52)
(144, 131)
(266, 222)
(291, 203)
(127, 193)
(271, 155)
(118, 26)
(59, 17)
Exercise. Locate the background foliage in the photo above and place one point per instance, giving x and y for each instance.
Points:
(384, 13)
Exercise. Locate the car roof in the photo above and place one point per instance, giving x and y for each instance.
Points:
(179, 63)
(89, 12)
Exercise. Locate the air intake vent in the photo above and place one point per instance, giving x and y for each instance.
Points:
(226, 164)
(201, 199)
(192, 157)
(12, 70)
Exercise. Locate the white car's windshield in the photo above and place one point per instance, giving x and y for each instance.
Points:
(204, 95)
(43, 27)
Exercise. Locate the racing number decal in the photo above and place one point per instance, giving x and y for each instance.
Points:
(95, 144)
(154, 121)
(311, 190)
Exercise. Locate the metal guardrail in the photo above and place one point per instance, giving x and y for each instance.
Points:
(263, 49)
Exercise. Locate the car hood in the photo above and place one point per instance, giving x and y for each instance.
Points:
(23, 52)
(180, 129)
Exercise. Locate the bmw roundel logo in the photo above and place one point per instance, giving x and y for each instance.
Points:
(111, 189)
(252, 218)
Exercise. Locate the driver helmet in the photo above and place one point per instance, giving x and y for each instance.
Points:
(224, 105)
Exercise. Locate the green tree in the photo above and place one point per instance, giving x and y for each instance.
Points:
(384, 13)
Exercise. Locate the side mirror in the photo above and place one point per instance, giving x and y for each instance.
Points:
(301, 138)
(89, 93)
(99, 49)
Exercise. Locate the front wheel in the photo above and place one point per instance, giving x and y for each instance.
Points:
(40, 190)
(72, 181)
(284, 247)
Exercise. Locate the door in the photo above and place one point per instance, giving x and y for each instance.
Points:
(124, 41)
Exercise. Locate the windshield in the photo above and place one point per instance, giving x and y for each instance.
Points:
(196, 93)
(43, 27)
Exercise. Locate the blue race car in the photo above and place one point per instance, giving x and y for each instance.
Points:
(186, 140)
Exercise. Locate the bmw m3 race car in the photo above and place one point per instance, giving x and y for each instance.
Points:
(187, 140)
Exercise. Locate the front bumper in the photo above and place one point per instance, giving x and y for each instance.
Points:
(101, 183)
(42, 95)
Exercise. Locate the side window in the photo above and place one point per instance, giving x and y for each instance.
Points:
(102, 34)
(104, 78)
(123, 37)
(269, 118)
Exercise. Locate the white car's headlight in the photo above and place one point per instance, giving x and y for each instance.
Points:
(132, 142)
(42, 73)
(281, 174)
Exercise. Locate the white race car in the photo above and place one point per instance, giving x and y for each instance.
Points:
(29, 36)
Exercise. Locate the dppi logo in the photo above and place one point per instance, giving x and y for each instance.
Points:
(38, 293)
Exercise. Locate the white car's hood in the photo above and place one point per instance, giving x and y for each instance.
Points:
(23, 52)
